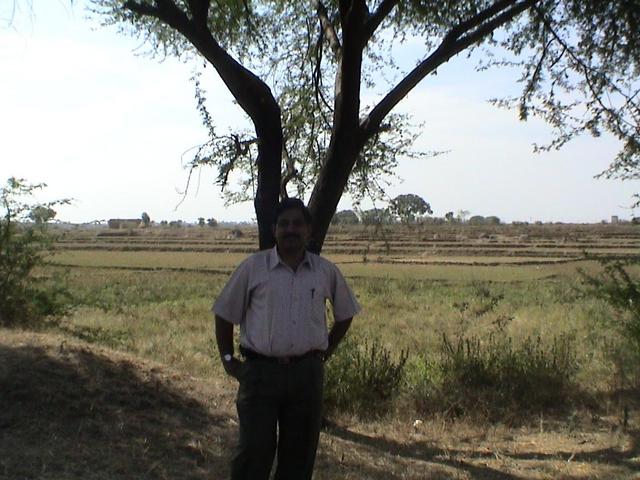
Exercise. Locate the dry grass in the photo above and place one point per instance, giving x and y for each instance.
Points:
(149, 260)
(70, 410)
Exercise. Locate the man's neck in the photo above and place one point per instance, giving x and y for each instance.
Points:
(293, 259)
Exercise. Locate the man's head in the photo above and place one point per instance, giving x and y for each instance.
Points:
(292, 227)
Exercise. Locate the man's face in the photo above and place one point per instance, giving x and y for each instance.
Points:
(291, 231)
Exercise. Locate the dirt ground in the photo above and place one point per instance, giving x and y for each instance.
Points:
(70, 410)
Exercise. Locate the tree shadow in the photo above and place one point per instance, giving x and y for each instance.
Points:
(72, 413)
(421, 451)
(76, 414)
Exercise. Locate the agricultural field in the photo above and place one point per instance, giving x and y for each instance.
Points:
(505, 297)
(414, 283)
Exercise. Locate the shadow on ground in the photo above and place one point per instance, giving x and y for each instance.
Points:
(453, 463)
(74, 414)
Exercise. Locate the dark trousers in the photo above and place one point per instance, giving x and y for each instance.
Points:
(279, 409)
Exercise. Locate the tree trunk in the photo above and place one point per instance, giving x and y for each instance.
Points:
(346, 138)
(328, 190)
(256, 99)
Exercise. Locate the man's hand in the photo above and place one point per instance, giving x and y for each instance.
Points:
(324, 356)
(224, 339)
(336, 334)
(232, 367)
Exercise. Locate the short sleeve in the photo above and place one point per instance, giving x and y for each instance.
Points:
(231, 303)
(344, 302)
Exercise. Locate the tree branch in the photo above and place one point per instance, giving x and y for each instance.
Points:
(141, 8)
(165, 10)
(587, 71)
(317, 81)
(479, 18)
(377, 17)
(252, 94)
(199, 11)
(451, 45)
(329, 31)
(291, 172)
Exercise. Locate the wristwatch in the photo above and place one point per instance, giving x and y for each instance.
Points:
(227, 357)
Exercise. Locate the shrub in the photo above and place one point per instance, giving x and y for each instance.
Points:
(363, 378)
(26, 298)
(618, 288)
(491, 377)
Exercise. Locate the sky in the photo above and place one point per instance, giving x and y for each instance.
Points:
(84, 111)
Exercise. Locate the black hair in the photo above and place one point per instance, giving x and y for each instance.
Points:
(290, 203)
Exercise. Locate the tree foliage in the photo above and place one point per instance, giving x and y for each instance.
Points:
(319, 81)
(376, 216)
(42, 214)
(408, 207)
(462, 215)
(24, 244)
(345, 217)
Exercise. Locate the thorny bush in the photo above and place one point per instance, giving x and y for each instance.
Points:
(25, 241)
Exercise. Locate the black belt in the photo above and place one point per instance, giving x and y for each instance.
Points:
(251, 355)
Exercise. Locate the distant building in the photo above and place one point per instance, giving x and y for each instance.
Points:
(614, 219)
(124, 223)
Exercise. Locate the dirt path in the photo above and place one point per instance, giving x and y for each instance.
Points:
(70, 410)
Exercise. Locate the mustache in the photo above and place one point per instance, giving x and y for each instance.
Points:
(292, 235)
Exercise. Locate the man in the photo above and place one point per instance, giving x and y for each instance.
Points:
(277, 297)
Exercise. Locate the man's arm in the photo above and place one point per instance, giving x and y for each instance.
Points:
(337, 333)
(224, 339)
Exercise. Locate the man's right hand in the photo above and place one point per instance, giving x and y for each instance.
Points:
(233, 367)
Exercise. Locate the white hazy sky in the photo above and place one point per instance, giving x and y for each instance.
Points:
(81, 111)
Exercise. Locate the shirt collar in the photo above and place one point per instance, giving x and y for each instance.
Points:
(275, 260)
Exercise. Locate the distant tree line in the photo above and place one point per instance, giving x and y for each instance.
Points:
(144, 221)
(408, 209)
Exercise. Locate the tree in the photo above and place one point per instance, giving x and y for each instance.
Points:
(408, 207)
(345, 217)
(146, 219)
(462, 215)
(477, 220)
(24, 245)
(376, 216)
(449, 217)
(42, 214)
(212, 222)
(201, 221)
(299, 71)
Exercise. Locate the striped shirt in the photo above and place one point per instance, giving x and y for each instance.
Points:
(282, 312)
